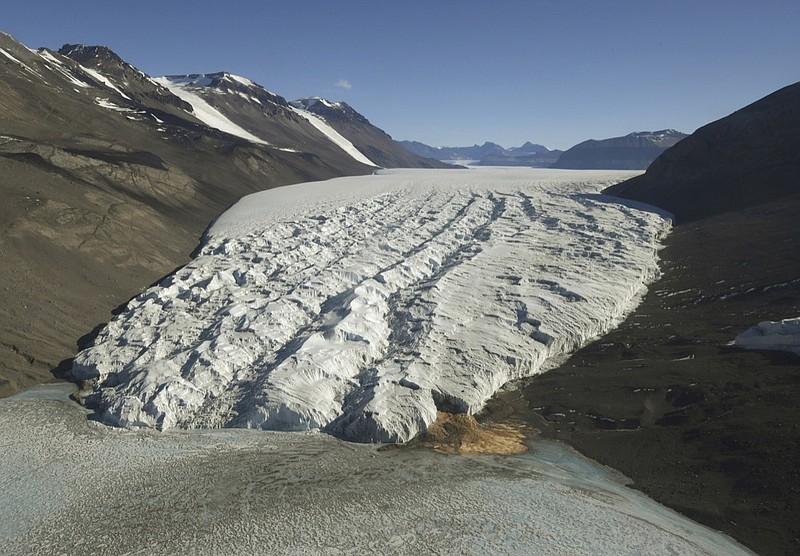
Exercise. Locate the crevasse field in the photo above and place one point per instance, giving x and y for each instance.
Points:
(359, 306)
(356, 306)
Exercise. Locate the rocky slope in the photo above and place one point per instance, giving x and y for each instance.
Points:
(634, 151)
(109, 180)
(746, 158)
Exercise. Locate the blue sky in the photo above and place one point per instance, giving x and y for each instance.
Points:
(460, 72)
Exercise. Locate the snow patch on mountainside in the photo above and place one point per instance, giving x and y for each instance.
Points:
(782, 335)
(333, 135)
(105, 81)
(106, 103)
(361, 305)
(59, 66)
(203, 111)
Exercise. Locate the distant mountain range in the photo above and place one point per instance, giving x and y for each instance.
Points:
(486, 152)
(634, 151)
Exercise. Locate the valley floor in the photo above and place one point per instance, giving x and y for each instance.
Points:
(702, 427)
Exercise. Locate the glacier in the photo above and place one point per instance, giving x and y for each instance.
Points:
(361, 306)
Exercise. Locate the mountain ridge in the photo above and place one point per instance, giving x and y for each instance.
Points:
(375, 143)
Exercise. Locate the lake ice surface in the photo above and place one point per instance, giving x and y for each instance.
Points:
(69, 485)
(361, 305)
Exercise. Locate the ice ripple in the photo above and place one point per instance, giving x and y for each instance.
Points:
(360, 306)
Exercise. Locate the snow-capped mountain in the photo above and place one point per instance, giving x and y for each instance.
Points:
(98, 159)
(634, 151)
(246, 109)
(475, 152)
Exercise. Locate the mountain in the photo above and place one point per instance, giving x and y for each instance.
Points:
(109, 69)
(749, 157)
(634, 151)
(109, 177)
(488, 154)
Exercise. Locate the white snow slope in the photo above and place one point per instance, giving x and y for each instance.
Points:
(361, 305)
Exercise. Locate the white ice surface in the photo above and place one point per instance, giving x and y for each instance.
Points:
(359, 305)
(337, 138)
(782, 335)
(203, 111)
(71, 486)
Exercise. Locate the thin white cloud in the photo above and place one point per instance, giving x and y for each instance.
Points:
(343, 84)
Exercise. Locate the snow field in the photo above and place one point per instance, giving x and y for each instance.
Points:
(360, 306)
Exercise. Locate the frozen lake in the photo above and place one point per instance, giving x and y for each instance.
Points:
(73, 486)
